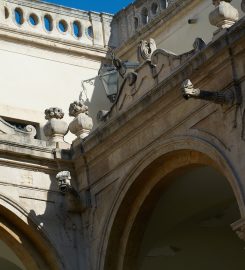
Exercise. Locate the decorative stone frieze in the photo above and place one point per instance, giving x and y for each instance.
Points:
(224, 15)
(146, 49)
(226, 97)
(239, 228)
(55, 129)
(155, 66)
(82, 124)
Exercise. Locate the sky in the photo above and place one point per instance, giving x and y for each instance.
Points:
(109, 6)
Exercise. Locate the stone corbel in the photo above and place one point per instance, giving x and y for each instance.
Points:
(239, 228)
(72, 197)
(226, 97)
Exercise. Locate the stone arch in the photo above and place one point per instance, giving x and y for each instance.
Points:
(162, 160)
(22, 234)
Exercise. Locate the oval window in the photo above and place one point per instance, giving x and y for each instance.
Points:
(19, 16)
(77, 29)
(90, 32)
(6, 13)
(48, 23)
(63, 26)
(33, 19)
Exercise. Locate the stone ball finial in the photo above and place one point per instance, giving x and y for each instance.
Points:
(54, 112)
(55, 129)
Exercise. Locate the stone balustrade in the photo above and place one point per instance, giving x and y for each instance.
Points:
(135, 16)
(89, 28)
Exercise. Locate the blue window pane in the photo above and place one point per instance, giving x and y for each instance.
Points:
(33, 19)
(62, 27)
(18, 16)
(90, 32)
(77, 29)
(48, 23)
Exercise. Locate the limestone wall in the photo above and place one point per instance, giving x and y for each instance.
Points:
(41, 68)
(171, 28)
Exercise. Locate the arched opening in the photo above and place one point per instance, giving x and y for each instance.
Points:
(164, 4)
(176, 210)
(144, 16)
(8, 259)
(190, 225)
(136, 23)
(22, 245)
(154, 8)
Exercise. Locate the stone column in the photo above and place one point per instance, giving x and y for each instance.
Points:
(224, 15)
(55, 129)
(239, 228)
(82, 124)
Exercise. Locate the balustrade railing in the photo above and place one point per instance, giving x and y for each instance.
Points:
(56, 21)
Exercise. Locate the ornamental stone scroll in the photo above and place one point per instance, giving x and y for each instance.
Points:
(145, 50)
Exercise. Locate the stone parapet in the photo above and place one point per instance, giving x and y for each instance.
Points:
(55, 22)
(136, 16)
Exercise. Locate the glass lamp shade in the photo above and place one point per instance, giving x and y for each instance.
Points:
(110, 83)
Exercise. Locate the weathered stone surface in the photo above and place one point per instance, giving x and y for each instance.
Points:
(224, 15)
(243, 5)
(239, 228)
(82, 123)
(55, 129)
(6, 128)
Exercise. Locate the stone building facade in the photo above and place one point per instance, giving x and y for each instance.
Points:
(151, 178)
